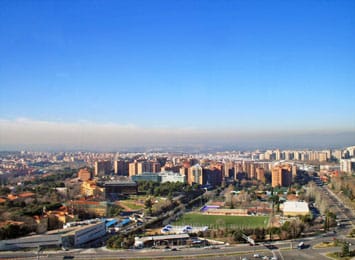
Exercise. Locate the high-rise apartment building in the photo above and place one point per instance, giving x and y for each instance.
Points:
(120, 167)
(143, 167)
(132, 169)
(252, 172)
(184, 171)
(347, 165)
(102, 168)
(195, 175)
(337, 154)
(281, 176)
(323, 156)
(155, 167)
(294, 171)
(211, 177)
(297, 156)
(228, 169)
(260, 174)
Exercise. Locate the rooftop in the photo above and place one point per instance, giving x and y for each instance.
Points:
(295, 206)
(163, 237)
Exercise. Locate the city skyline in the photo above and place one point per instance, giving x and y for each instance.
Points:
(113, 75)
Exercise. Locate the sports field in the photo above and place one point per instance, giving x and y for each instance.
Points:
(131, 204)
(214, 221)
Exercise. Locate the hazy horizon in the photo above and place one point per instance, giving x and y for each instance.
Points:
(25, 134)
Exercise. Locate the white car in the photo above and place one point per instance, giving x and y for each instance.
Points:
(256, 256)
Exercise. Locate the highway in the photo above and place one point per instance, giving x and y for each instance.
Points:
(281, 249)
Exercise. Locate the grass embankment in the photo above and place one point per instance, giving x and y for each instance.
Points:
(214, 221)
(336, 256)
(326, 245)
(131, 204)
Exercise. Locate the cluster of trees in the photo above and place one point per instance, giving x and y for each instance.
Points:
(113, 210)
(161, 208)
(54, 179)
(20, 211)
(14, 231)
(346, 184)
(287, 231)
(314, 195)
(232, 200)
(120, 241)
(161, 189)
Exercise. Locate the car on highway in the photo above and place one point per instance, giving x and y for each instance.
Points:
(257, 256)
(300, 245)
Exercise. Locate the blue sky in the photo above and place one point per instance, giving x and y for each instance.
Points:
(218, 65)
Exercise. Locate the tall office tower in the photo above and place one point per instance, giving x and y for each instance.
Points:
(195, 175)
(133, 169)
(281, 176)
(155, 166)
(143, 167)
(102, 168)
(260, 174)
(278, 155)
(120, 167)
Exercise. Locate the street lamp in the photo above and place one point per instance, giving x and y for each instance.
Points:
(38, 251)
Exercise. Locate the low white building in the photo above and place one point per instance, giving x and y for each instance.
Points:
(171, 240)
(295, 208)
(172, 177)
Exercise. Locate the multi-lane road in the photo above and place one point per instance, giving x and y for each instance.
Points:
(282, 250)
(342, 212)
